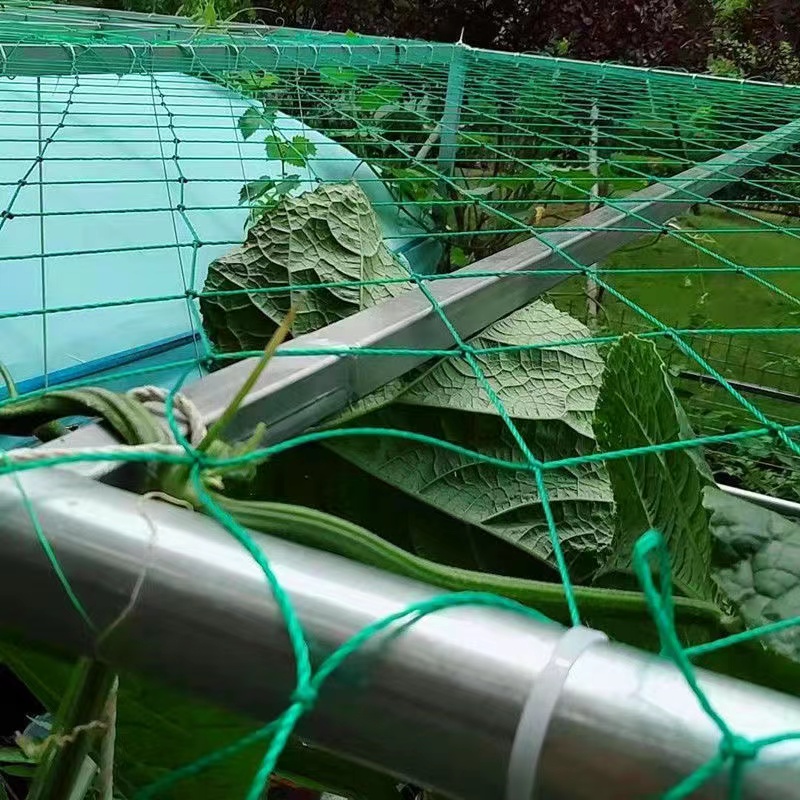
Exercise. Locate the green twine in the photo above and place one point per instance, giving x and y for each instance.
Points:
(733, 748)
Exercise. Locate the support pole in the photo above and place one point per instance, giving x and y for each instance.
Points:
(593, 291)
(451, 117)
(437, 702)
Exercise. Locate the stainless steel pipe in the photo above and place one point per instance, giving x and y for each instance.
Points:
(437, 702)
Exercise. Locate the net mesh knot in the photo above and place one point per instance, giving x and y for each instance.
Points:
(738, 748)
(304, 696)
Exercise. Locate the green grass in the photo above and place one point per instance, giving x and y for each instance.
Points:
(714, 298)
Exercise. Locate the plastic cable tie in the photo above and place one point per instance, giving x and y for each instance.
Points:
(538, 710)
(237, 52)
(72, 56)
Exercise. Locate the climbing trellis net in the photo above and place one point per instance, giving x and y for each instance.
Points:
(135, 151)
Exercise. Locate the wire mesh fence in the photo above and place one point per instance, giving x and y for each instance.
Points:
(170, 189)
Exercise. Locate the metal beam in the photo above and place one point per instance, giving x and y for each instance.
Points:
(437, 702)
(242, 53)
(453, 101)
(298, 391)
(786, 507)
(614, 70)
(743, 386)
(72, 11)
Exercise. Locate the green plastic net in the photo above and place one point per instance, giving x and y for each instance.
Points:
(138, 153)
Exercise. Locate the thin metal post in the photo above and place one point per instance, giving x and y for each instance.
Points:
(437, 702)
(451, 117)
(744, 386)
(592, 289)
(42, 257)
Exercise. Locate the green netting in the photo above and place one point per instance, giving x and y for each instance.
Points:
(466, 153)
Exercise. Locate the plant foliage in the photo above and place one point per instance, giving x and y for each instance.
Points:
(322, 238)
(549, 393)
(657, 489)
(757, 565)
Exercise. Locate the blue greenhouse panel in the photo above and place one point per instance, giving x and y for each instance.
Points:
(135, 194)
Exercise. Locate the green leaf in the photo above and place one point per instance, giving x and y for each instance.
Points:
(3, 792)
(637, 407)
(295, 152)
(160, 729)
(275, 147)
(209, 14)
(268, 80)
(481, 191)
(458, 257)
(13, 755)
(550, 394)
(757, 565)
(18, 770)
(338, 76)
(384, 94)
(326, 236)
(254, 81)
(410, 183)
(573, 184)
(254, 189)
(255, 118)
(287, 184)
(299, 150)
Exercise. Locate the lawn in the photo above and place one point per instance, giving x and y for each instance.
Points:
(717, 297)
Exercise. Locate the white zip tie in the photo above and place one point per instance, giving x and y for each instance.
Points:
(537, 712)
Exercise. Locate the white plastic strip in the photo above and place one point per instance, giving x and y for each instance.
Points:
(538, 709)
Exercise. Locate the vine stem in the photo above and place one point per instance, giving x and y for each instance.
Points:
(105, 784)
(215, 431)
(77, 721)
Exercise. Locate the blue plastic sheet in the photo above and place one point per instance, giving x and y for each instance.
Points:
(97, 222)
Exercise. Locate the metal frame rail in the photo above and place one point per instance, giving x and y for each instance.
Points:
(440, 703)
(436, 702)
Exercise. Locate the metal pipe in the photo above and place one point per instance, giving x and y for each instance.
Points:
(437, 702)
(786, 507)
(298, 391)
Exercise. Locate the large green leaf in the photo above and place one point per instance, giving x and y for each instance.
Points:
(327, 236)
(637, 407)
(757, 565)
(550, 394)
